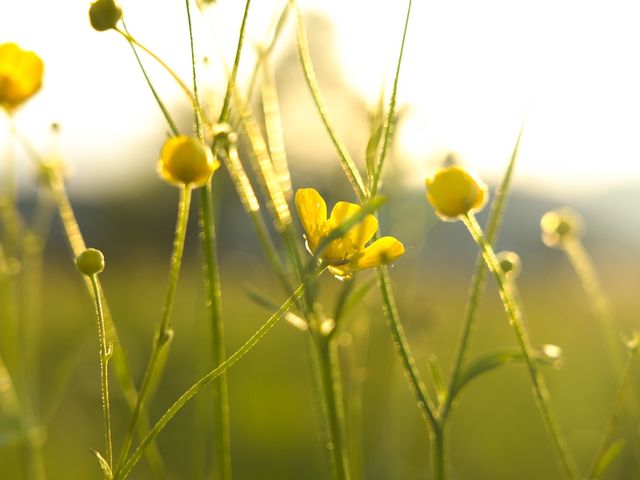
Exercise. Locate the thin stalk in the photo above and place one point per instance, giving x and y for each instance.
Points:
(438, 454)
(583, 265)
(329, 375)
(55, 183)
(161, 105)
(389, 120)
(618, 406)
(105, 353)
(479, 276)
(220, 387)
(346, 161)
(222, 441)
(402, 348)
(206, 380)
(515, 319)
(231, 84)
(129, 38)
(165, 332)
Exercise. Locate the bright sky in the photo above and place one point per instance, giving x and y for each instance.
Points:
(471, 71)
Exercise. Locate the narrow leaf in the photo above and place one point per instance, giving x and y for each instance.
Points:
(607, 458)
(104, 465)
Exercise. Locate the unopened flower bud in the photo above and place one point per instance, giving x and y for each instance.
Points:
(186, 161)
(224, 135)
(509, 263)
(561, 225)
(104, 14)
(20, 75)
(90, 262)
(453, 192)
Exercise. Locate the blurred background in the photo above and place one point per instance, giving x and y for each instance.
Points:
(471, 73)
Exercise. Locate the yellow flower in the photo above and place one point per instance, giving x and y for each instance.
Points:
(20, 75)
(186, 161)
(347, 253)
(454, 192)
(561, 225)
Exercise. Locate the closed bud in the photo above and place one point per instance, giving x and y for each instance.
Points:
(186, 161)
(559, 226)
(509, 263)
(90, 262)
(104, 14)
(454, 192)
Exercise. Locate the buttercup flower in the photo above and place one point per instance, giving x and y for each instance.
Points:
(347, 253)
(454, 192)
(186, 161)
(20, 75)
(560, 225)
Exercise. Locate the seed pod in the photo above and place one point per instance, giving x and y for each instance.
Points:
(104, 14)
(559, 226)
(90, 262)
(509, 263)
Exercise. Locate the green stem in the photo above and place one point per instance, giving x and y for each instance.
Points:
(165, 332)
(105, 353)
(329, 375)
(583, 266)
(346, 161)
(515, 319)
(220, 388)
(206, 380)
(615, 412)
(402, 348)
(479, 276)
(231, 85)
(439, 464)
(222, 436)
(389, 120)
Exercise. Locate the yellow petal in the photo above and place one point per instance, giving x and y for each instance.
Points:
(20, 75)
(383, 250)
(454, 192)
(359, 234)
(312, 211)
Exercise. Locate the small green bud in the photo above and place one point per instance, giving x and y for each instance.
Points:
(561, 225)
(509, 263)
(104, 14)
(90, 262)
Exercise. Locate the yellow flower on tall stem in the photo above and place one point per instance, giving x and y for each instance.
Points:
(348, 252)
(20, 75)
(454, 192)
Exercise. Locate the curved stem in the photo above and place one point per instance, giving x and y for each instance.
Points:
(105, 353)
(346, 161)
(615, 412)
(204, 381)
(165, 333)
(515, 319)
(402, 348)
(168, 69)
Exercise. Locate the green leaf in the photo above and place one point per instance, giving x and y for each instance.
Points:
(436, 375)
(104, 465)
(607, 458)
(490, 361)
(377, 127)
(355, 298)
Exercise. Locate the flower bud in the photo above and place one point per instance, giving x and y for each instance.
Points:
(104, 14)
(509, 263)
(454, 192)
(186, 161)
(561, 225)
(224, 135)
(20, 75)
(90, 262)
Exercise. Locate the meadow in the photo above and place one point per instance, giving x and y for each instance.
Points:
(261, 336)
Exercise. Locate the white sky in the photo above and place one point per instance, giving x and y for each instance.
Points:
(470, 72)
